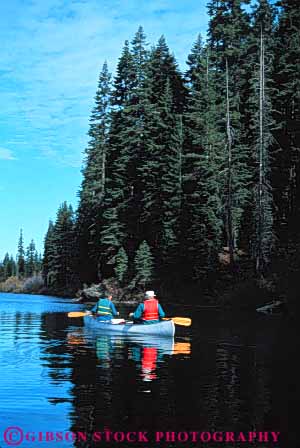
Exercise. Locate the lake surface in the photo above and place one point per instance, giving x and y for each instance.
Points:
(60, 381)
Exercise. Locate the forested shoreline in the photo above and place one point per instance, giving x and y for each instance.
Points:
(191, 180)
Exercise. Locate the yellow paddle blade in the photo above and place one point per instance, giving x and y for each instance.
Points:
(77, 313)
(182, 348)
(185, 321)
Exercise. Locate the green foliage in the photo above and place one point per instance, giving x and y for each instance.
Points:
(228, 31)
(8, 267)
(203, 163)
(160, 175)
(162, 67)
(191, 164)
(118, 177)
(48, 253)
(121, 265)
(144, 265)
(58, 269)
(89, 214)
(30, 262)
(286, 107)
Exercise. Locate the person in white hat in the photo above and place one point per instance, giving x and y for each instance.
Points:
(150, 311)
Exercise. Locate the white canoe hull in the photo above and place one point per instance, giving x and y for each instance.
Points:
(165, 328)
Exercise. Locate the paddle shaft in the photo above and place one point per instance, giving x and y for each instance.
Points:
(183, 321)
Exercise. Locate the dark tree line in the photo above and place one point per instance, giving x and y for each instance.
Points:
(185, 169)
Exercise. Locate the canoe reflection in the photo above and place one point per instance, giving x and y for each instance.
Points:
(148, 363)
(147, 352)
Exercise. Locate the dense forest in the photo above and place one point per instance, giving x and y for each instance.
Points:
(191, 177)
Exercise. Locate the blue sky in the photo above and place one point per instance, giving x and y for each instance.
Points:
(51, 55)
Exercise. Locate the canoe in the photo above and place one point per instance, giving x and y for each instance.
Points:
(165, 328)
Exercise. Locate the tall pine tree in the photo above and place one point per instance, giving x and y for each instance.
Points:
(48, 253)
(229, 27)
(21, 256)
(90, 210)
(203, 159)
(30, 264)
(117, 188)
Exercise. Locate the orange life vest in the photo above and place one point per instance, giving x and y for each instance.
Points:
(150, 310)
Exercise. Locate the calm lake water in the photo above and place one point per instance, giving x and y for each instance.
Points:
(225, 373)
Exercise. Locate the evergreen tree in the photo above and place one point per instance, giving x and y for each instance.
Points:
(202, 212)
(13, 266)
(38, 262)
(21, 256)
(121, 265)
(159, 165)
(228, 31)
(132, 135)
(171, 184)
(196, 65)
(9, 268)
(286, 166)
(117, 186)
(144, 266)
(125, 78)
(133, 118)
(6, 266)
(160, 174)
(177, 162)
(61, 256)
(140, 57)
(127, 136)
(30, 260)
(94, 180)
(162, 66)
(48, 253)
(2, 275)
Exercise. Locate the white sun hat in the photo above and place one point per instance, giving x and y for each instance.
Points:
(149, 294)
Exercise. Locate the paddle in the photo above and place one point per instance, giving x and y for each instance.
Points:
(77, 314)
(184, 321)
